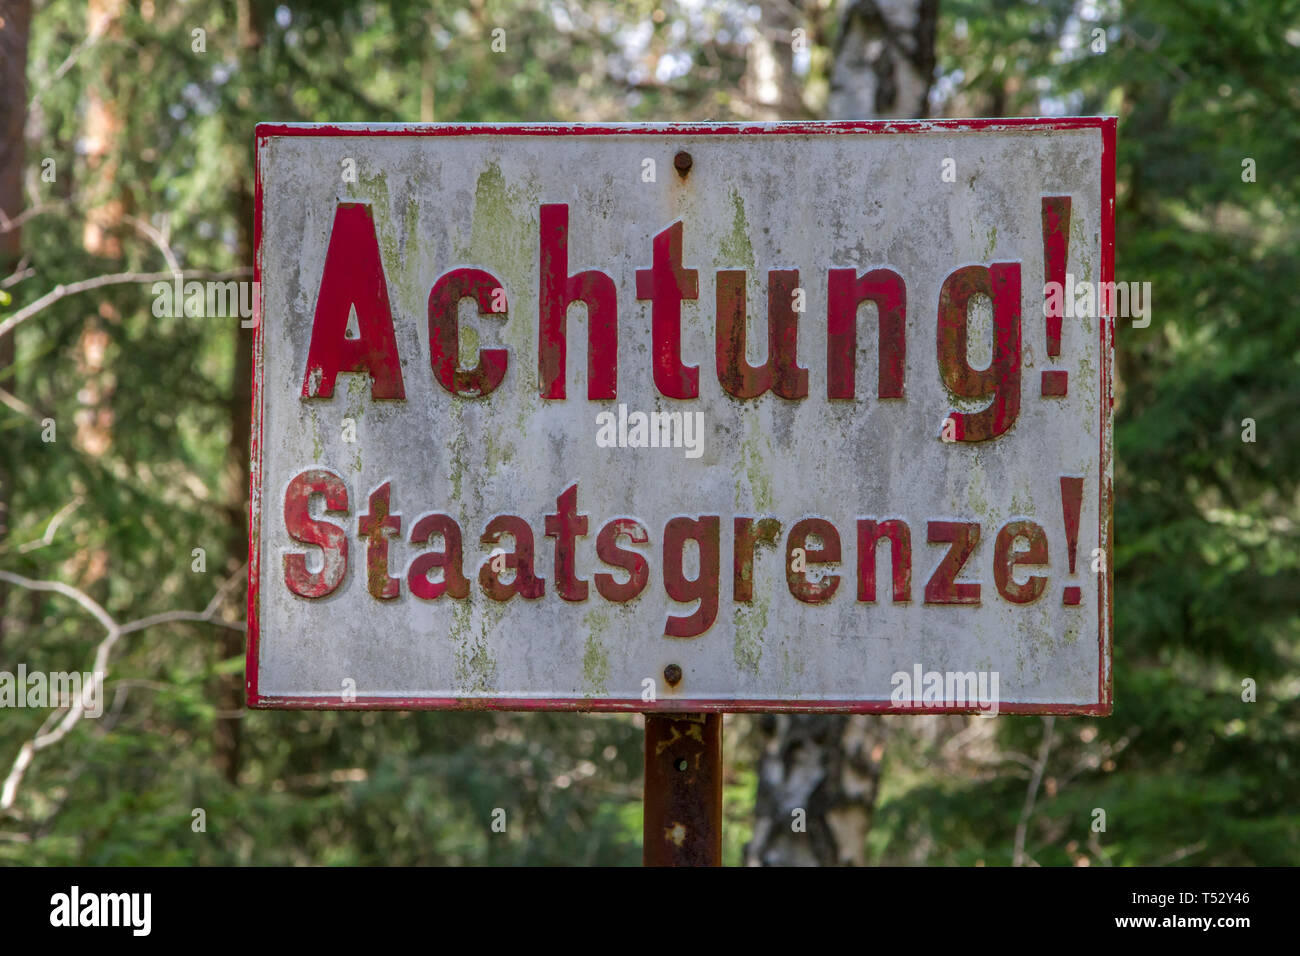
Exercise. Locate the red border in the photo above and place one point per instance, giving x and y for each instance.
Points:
(1105, 504)
(1105, 606)
(813, 128)
(254, 620)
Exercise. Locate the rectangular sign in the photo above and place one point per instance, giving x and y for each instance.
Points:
(789, 417)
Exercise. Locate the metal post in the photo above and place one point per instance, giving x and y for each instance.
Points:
(683, 790)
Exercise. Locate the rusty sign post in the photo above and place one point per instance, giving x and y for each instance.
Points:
(684, 419)
(682, 817)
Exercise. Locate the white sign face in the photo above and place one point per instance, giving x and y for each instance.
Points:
(783, 417)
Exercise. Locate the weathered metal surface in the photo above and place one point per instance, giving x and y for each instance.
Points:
(682, 825)
(544, 414)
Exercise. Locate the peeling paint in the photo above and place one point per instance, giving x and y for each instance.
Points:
(503, 230)
(752, 464)
(468, 343)
(476, 671)
(595, 656)
(457, 449)
(358, 396)
(317, 444)
(977, 490)
(792, 666)
(462, 618)
(751, 625)
(735, 247)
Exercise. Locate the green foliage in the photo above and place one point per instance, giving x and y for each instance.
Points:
(1207, 549)
(1207, 558)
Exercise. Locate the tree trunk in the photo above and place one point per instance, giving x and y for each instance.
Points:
(227, 734)
(101, 236)
(818, 775)
(884, 60)
(15, 28)
(769, 86)
(103, 133)
(227, 742)
(817, 780)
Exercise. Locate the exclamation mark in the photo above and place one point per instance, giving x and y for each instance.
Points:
(1071, 500)
(1056, 249)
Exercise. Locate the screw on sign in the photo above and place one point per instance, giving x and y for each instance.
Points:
(764, 437)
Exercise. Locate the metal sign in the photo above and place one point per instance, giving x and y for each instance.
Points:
(805, 416)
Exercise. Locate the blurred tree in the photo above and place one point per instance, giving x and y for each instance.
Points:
(1197, 763)
(1206, 556)
(148, 113)
(884, 60)
(15, 25)
(823, 766)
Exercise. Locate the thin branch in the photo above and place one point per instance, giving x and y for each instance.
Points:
(173, 617)
(18, 276)
(159, 239)
(81, 597)
(45, 736)
(97, 30)
(116, 278)
(146, 229)
(48, 538)
(957, 741)
(1016, 756)
(21, 407)
(21, 272)
(1181, 853)
(1099, 851)
(1031, 794)
(9, 225)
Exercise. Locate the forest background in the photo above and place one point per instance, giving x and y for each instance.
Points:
(126, 134)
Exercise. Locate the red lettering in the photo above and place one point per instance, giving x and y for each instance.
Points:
(845, 293)
(444, 332)
(449, 560)
(636, 566)
(748, 534)
(329, 537)
(1005, 561)
(526, 583)
(565, 527)
(353, 278)
(1000, 382)
(942, 588)
(900, 558)
(666, 284)
(705, 531)
(806, 590)
(1056, 247)
(781, 372)
(377, 526)
(558, 291)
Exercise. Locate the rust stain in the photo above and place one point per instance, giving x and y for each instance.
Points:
(683, 790)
